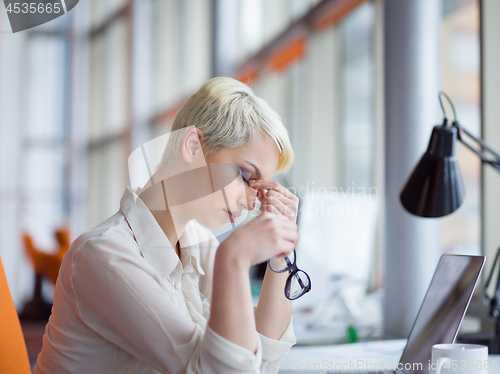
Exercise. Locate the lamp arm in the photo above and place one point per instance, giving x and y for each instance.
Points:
(495, 162)
(494, 301)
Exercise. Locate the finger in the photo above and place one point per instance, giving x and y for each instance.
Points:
(270, 209)
(272, 185)
(285, 200)
(272, 200)
(291, 235)
(277, 194)
(275, 218)
(279, 262)
(261, 195)
(280, 220)
(285, 247)
(288, 232)
(284, 254)
(285, 210)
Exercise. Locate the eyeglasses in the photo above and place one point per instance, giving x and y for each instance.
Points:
(298, 282)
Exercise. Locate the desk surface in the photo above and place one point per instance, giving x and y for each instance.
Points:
(358, 356)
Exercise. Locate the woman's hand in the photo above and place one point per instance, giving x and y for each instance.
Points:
(277, 199)
(265, 236)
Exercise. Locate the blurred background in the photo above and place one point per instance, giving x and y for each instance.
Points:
(80, 93)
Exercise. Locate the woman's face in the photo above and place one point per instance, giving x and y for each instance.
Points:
(258, 160)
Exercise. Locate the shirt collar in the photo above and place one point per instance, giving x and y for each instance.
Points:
(153, 243)
(190, 240)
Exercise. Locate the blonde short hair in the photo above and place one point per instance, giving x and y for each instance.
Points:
(229, 115)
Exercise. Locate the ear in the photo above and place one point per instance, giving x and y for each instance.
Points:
(191, 146)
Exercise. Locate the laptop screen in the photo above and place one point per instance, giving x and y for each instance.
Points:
(442, 310)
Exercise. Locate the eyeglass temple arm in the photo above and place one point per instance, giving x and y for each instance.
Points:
(495, 162)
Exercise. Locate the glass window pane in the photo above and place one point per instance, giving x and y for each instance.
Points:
(251, 36)
(107, 180)
(109, 81)
(357, 84)
(45, 92)
(461, 81)
(102, 9)
(43, 167)
(165, 59)
(43, 191)
(96, 97)
(43, 161)
(276, 18)
(115, 76)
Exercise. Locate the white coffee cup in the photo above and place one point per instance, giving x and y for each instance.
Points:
(459, 359)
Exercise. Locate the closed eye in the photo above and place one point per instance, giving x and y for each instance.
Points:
(246, 178)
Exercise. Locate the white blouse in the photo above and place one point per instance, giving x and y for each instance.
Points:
(125, 303)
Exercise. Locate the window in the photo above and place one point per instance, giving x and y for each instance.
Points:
(357, 97)
(460, 81)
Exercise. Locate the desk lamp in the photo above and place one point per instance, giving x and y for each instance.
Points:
(435, 189)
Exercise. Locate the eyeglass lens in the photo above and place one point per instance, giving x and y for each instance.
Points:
(298, 284)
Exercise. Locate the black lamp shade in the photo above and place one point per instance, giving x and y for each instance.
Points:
(435, 187)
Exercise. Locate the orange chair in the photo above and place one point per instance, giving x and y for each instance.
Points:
(13, 354)
(62, 237)
(46, 266)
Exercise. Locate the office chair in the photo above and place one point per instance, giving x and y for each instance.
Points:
(13, 354)
(46, 266)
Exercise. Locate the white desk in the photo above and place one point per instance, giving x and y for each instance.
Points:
(359, 356)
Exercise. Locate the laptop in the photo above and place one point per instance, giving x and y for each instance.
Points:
(439, 318)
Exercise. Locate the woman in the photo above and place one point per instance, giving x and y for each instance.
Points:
(150, 290)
